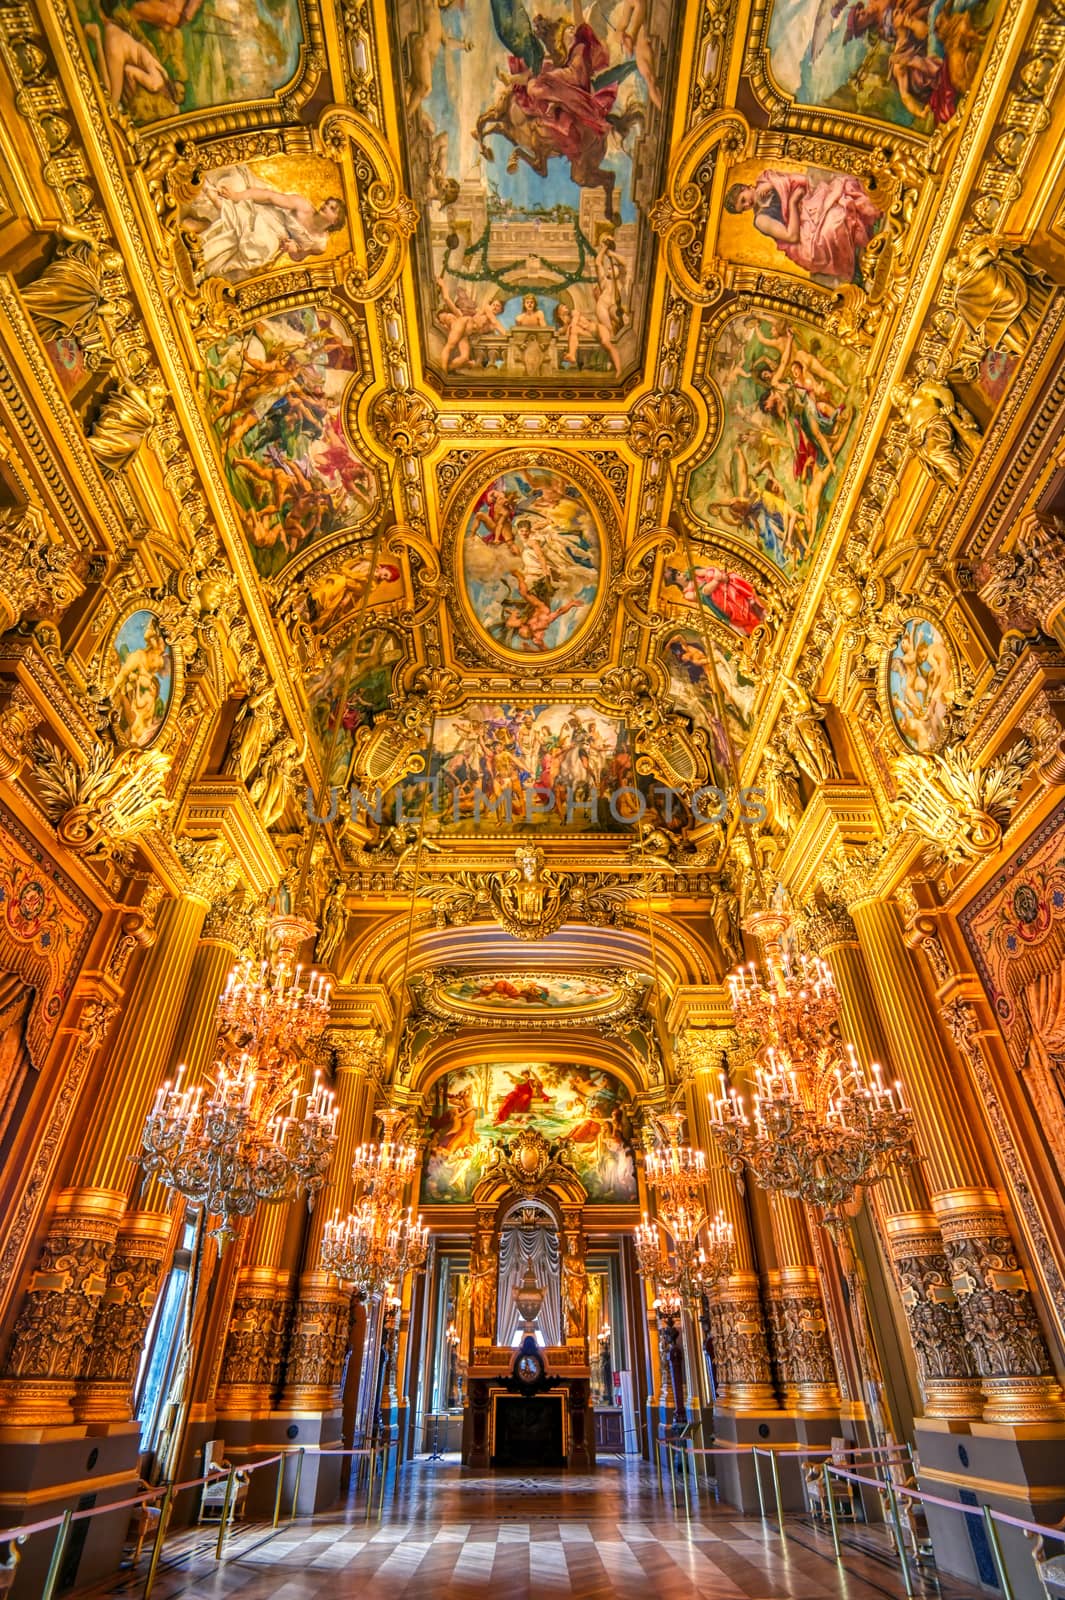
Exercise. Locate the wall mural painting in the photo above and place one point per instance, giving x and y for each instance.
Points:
(156, 58)
(691, 689)
(141, 686)
(911, 65)
(1015, 931)
(487, 758)
(921, 685)
(271, 212)
(535, 141)
(527, 993)
(335, 716)
(477, 1107)
(725, 593)
(275, 397)
(531, 558)
(790, 396)
(809, 217)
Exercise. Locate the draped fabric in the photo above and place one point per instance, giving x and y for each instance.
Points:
(1044, 1001)
(518, 1249)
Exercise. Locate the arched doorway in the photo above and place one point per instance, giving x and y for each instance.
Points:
(528, 1209)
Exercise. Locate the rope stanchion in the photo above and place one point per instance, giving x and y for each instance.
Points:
(48, 1592)
(996, 1552)
(226, 1504)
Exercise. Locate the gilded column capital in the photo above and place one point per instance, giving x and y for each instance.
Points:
(358, 1051)
(237, 922)
(213, 872)
(826, 926)
(37, 575)
(1025, 587)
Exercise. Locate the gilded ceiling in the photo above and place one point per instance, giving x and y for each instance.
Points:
(547, 403)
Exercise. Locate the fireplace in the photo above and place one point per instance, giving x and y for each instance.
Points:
(529, 1430)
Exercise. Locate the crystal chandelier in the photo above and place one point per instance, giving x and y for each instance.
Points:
(698, 1249)
(366, 1250)
(250, 1134)
(376, 1244)
(821, 1127)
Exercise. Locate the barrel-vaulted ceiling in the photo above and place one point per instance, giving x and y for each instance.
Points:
(534, 356)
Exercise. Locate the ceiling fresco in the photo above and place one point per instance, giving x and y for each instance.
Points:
(548, 401)
(534, 143)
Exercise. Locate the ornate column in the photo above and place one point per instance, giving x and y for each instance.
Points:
(737, 1319)
(798, 1328)
(143, 1242)
(55, 1330)
(249, 1375)
(997, 1315)
(318, 1347)
(914, 1245)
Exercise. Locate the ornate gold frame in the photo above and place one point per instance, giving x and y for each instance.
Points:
(482, 470)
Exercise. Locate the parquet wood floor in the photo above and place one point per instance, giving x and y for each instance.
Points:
(448, 1535)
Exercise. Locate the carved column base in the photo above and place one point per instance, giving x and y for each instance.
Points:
(1022, 1400)
(316, 1349)
(106, 1391)
(53, 1333)
(250, 1375)
(998, 1315)
(801, 1345)
(741, 1352)
(922, 1272)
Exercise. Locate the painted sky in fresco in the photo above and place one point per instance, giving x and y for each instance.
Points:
(522, 135)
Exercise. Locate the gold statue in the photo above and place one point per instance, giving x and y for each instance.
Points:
(68, 300)
(275, 781)
(805, 736)
(334, 921)
(944, 436)
(127, 416)
(998, 295)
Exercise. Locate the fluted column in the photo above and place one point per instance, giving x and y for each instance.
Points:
(797, 1320)
(314, 1366)
(55, 1331)
(998, 1317)
(737, 1317)
(144, 1233)
(914, 1244)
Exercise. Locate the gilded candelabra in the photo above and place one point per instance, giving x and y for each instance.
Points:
(378, 1243)
(251, 1134)
(821, 1127)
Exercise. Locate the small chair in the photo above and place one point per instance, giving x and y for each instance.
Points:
(841, 1489)
(213, 1499)
(1051, 1569)
(142, 1524)
(913, 1524)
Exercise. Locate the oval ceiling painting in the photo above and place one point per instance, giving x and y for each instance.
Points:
(529, 993)
(530, 556)
(921, 685)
